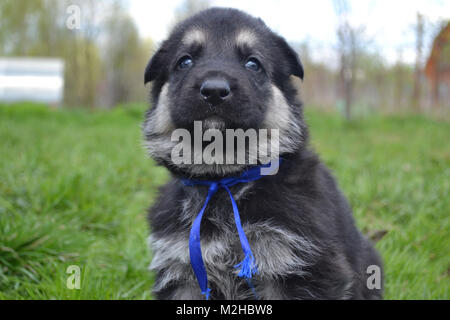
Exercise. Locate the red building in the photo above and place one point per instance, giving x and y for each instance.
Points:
(437, 68)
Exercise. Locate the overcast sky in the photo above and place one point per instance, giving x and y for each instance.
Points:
(389, 23)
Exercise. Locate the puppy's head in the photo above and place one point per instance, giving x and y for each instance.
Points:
(230, 71)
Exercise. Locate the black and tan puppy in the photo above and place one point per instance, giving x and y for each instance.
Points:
(229, 70)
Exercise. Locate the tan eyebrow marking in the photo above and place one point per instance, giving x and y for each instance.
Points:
(246, 38)
(194, 36)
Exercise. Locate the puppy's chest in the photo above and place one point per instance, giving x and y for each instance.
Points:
(219, 211)
(277, 250)
(219, 237)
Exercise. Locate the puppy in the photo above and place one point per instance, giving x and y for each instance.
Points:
(229, 70)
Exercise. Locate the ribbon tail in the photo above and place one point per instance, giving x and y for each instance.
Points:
(195, 251)
(247, 266)
(206, 293)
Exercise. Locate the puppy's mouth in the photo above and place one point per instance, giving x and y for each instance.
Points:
(214, 122)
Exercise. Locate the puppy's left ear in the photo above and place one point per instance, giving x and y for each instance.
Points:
(295, 65)
(155, 66)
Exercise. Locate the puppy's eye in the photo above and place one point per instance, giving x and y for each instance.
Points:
(185, 62)
(253, 64)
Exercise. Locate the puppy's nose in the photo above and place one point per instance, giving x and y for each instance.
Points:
(215, 91)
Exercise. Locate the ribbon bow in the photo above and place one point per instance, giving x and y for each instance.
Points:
(247, 267)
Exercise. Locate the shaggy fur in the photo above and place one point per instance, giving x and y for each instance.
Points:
(298, 223)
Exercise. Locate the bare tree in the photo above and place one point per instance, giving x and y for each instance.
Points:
(125, 56)
(417, 92)
(82, 53)
(350, 42)
(399, 78)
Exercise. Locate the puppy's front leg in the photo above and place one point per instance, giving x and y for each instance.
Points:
(175, 281)
(180, 291)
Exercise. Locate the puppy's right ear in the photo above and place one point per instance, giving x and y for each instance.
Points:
(292, 58)
(155, 66)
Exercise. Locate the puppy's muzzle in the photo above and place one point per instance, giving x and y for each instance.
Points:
(215, 91)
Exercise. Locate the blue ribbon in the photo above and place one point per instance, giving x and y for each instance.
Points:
(247, 267)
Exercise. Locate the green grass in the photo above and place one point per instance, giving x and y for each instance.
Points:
(74, 188)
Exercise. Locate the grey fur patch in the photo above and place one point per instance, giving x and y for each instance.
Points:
(160, 122)
(158, 127)
(279, 252)
(279, 116)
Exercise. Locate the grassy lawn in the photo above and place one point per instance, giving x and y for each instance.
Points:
(74, 188)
